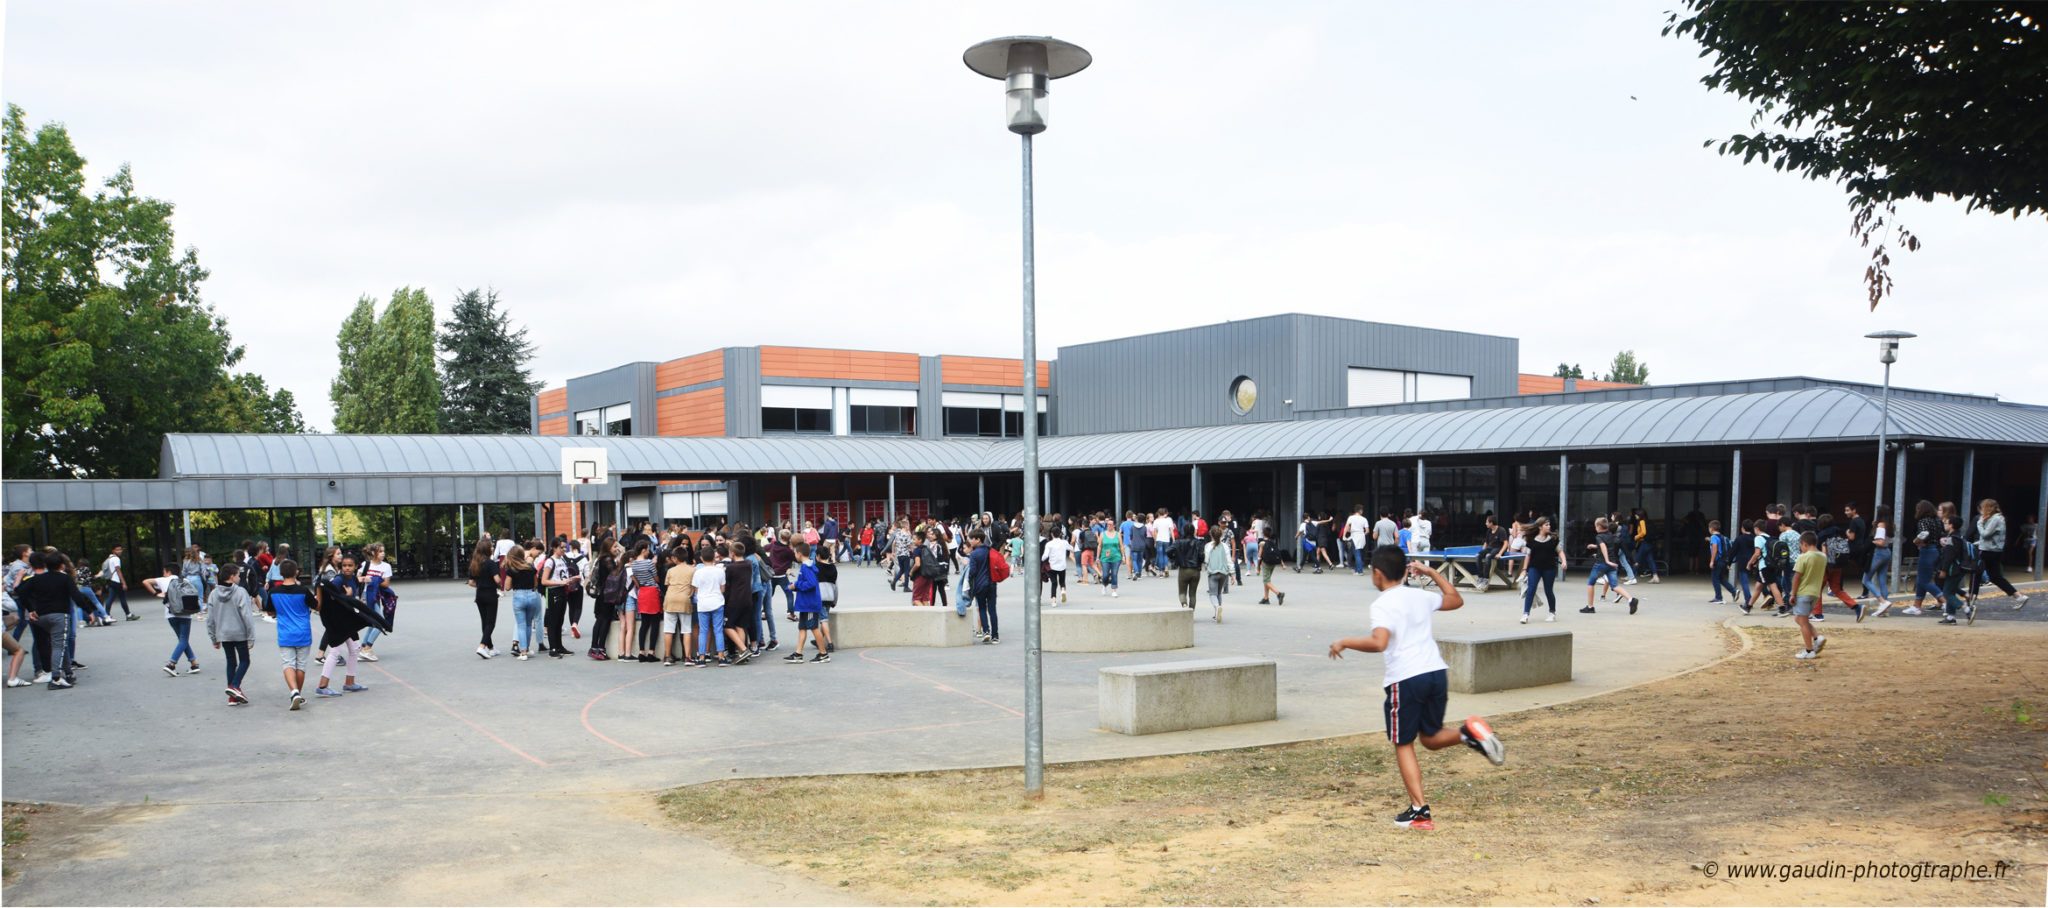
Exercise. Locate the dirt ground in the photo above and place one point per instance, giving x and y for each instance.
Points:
(1893, 747)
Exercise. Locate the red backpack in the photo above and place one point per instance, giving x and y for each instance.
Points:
(998, 567)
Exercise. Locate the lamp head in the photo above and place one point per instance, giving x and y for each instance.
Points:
(1888, 344)
(1025, 63)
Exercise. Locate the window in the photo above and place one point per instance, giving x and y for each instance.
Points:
(971, 413)
(1374, 387)
(881, 411)
(793, 420)
(1244, 394)
(796, 409)
(616, 419)
(869, 420)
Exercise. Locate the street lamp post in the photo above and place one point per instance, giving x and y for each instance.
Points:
(1026, 64)
(1887, 353)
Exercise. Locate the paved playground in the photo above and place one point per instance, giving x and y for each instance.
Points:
(454, 779)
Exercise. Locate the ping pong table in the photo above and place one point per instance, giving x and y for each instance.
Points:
(1459, 562)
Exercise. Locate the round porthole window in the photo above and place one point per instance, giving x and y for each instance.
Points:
(1243, 394)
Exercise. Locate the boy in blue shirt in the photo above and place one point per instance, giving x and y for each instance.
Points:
(294, 628)
(806, 608)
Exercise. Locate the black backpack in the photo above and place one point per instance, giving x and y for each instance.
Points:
(1778, 555)
(931, 566)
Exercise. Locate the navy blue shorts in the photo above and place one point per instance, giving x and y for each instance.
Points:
(1416, 706)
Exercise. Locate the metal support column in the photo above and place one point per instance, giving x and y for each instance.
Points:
(889, 519)
(1735, 496)
(796, 516)
(1899, 519)
(1194, 489)
(1045, 502)
(329, 526)
(980, 493)
(1418, 484)
(188, 529)
(1966, 506)
(1300, 496)
(1117, 510)
(1564, 500)
(2040, 520)
(461, 530)
(1034, 678)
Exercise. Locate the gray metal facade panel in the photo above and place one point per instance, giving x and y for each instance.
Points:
(1116, 385)
(743, 392)
(931, 397)
(1327, 346)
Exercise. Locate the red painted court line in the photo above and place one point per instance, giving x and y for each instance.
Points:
(460, 717)
(941, 685)
(601, 736)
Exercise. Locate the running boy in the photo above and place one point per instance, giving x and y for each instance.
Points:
(1417, 680)
(294, 628)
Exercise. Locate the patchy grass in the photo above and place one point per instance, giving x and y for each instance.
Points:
(1884, 750)
(16, 822)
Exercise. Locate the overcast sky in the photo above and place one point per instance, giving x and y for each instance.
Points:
(643, 181)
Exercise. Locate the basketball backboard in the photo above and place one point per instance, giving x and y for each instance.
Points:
(585, 466)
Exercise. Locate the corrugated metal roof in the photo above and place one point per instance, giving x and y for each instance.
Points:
(189, 456)
(1807, 415)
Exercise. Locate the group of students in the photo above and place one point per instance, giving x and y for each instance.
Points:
(229, 600)
(1954, 555)
(701, 599)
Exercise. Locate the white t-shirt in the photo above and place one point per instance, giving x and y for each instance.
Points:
(1056, 550)
(379, 569)
(504, 545)
(709, 579)
(1407, 613)
(1354, 526)
(1162, 530)
(111, 568)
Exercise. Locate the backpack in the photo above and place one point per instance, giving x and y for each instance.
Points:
(1966, 557)
(1836, 548)
(930, 566)
(181, 597)
(615, 586)
(1778, 555)
(998, 567)
(1269, 552)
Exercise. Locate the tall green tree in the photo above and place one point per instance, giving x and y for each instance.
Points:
(1625, 368)
(1568, 370)
(352, 387)
(389, 380)
(108, 344)
(1891, 100)
(484, 371)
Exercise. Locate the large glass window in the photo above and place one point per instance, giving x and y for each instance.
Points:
(796, 409)
(870, 420)
(616, 419)
(791, 419)
(1372, 387)
(974, 421)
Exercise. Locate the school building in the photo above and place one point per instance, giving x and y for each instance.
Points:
(1285, 413)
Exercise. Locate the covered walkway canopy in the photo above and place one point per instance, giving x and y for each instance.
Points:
(300, 471)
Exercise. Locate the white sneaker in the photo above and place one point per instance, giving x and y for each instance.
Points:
(1911, 610)
(483, 652)
(1525, 619)
(16, 682)
(1113, 594)
(523, 656)
(366, 656)
(1550, 617)
(43, 678)
(1629, 582)
(1805, 654)
(1880, 611)
(1656, 580)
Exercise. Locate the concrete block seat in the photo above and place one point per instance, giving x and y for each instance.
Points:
(1484, 661)
(900, 625)
(1197, 693)
(1116, 630)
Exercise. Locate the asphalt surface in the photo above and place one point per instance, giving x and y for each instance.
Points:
(455, 780)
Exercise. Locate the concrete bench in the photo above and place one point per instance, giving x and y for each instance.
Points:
(1115, 630)
(1175, 696)
(901, 625)
(1503, 660)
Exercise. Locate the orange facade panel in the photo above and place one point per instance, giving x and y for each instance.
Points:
(695, 414)
(1527, 383)
(690, 370)
(554, 401)
(812, 362)
(986, 370)
(557, 426)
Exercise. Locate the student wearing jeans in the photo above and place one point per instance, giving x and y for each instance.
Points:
(708, 579)
(1541, 569)
(982, 587)
(230, 626)
(520, 579)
